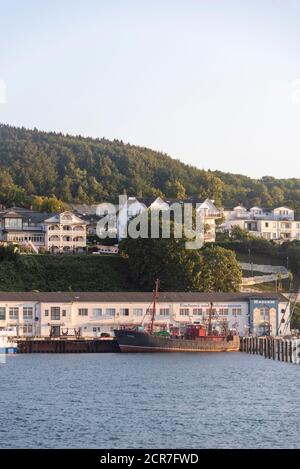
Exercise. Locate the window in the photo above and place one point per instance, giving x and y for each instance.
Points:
(211, 311)
(264, 314)
(83, 312)
(137, 311)
(64, 313)
(184, 311)
(197, 311)
(223, 311)
(2, 314)
(110, 311)
(164, 312)
(97, 312)
(267, 225)
(46, 312)
(13, 313)
(27, 312)
(124, 311)
(236, 311)
(13, 223)
(27, 329)
(55, 313)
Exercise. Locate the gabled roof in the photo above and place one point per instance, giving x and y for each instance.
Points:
(58, 218)
(282, 208)
(11, 214)
(27, 215)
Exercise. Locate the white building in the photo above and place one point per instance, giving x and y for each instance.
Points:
(278, 224)
(65, 232)
(135, 206)
(36, 314)
(23, 227)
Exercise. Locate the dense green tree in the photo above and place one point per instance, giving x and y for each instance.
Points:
(221, 270)
(178, 268)
(77, 169)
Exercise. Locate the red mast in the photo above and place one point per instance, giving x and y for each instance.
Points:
(210, 318)
(155, 298)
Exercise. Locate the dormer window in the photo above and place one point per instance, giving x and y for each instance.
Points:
(13, 223)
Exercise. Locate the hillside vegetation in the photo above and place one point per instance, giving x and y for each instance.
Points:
(65, 273)
(77, 169)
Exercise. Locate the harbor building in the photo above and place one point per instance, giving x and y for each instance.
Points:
(90, 314)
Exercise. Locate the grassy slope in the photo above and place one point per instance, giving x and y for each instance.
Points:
(63, 273)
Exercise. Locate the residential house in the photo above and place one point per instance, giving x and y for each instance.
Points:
(24, 227)
(278, 224)
(65, 232)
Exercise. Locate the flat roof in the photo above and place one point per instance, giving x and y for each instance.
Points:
(132, 297)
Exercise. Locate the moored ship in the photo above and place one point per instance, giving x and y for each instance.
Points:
(193, 338)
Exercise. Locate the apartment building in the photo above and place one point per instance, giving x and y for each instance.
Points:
(134, 206)
(278, 224)
(24, 227)
(64, 232)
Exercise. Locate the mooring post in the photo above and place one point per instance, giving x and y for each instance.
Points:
(286, 350)
(291, 351)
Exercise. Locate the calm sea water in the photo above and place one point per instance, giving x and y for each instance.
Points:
(148, 401)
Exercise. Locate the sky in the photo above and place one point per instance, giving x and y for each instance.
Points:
(214, 83)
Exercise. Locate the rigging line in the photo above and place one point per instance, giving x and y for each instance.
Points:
(292, 305)
(147, 309)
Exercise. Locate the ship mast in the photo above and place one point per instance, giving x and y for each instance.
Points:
(155, 298)
(210, 318)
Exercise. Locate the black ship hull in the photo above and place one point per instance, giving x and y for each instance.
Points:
(140, 341)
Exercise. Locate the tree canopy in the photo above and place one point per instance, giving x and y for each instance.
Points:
(78, 169)
(180, 269)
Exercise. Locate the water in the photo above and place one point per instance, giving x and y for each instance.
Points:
(148, 401)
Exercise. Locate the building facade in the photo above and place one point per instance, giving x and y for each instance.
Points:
(135, 206)
(90, 314)
(278, 224)
(65, 232)
(24, 227)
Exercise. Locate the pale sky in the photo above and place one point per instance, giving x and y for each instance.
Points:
(215, 83)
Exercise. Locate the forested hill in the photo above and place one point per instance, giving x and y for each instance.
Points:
(35, 163)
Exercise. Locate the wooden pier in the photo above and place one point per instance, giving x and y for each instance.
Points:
(276, 348)
(68, 346)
